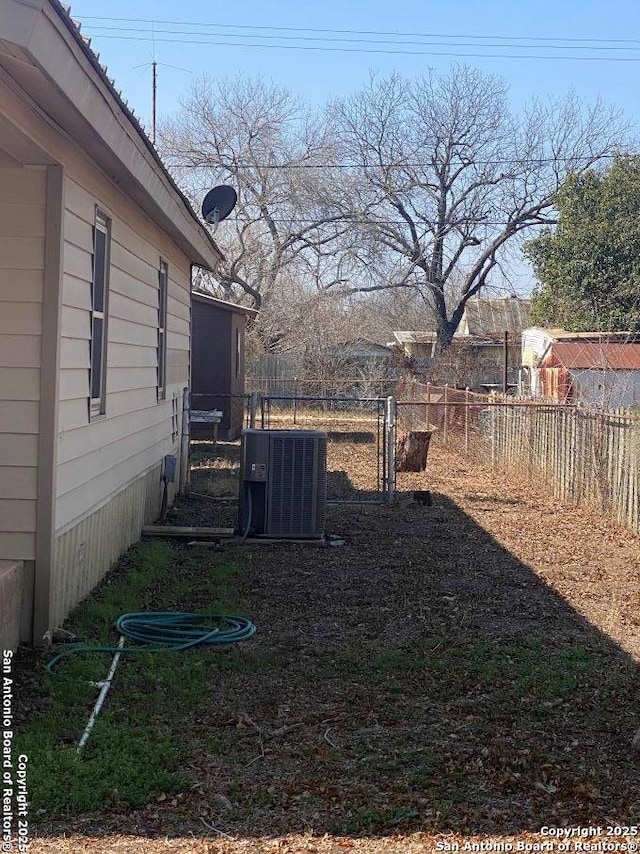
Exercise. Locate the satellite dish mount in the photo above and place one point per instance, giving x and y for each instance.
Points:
(218, 204)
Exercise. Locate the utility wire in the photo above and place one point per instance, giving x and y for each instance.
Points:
(534, 161)
(316, 48)
(362, 40)
(360, 32)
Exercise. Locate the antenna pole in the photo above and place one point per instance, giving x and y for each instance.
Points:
(154, 88)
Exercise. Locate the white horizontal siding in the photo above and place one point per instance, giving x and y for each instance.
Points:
(19, 384)
(76, 293)
(21, 253)
(20, 318)
(27, 284)
(19, 543)
(179, 309)
(23, 186)
(72, 414)
(19, 218)
(136, 312)
(20, 351)
(121, 282)
(75, 323)
(131, 356)
(81, 470)
(94, 492)
(74, 384)
(126, 332)
(18, 449)
(76, 262)
(131, 379)
(74, 353)
(96, 459)
(177, 340)
(22, 228)
(18, 482)
(17, 515)
(20, 416)
(80, 442)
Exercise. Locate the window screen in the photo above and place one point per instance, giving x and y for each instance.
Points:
(163, 287)
(99, 294)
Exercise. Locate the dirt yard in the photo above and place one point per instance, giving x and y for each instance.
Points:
(461, 671)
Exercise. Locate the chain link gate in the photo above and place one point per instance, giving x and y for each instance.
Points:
(360, 440)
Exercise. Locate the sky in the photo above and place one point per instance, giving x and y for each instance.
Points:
(325, 49)
(494, 35)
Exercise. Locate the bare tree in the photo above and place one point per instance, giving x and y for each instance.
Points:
(444, 178)
(261, 139)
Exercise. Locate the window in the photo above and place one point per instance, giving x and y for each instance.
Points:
(99, 303)
(163, 285)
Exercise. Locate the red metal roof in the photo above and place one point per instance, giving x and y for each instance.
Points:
(596, 355)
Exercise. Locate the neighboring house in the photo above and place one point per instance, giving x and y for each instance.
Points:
(491, 318)
(217, 363)
(480, 340)
(476, 356)
(414, 344)
(602, 374)
(96, 248)
(537, 344)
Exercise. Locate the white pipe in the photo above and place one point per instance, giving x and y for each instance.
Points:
(104, 690)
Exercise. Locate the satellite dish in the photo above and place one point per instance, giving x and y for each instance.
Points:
(218, 204)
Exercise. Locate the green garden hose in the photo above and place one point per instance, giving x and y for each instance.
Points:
(155, 631)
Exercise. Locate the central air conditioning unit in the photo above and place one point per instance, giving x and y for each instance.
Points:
(283, 489)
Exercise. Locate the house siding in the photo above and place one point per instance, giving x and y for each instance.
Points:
(22, 228)
(108, 470)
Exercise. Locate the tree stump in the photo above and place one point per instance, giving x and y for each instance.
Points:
(411, 450)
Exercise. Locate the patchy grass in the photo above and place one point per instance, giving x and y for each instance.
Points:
(136, 752)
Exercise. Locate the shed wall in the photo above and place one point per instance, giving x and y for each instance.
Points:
(213, 378)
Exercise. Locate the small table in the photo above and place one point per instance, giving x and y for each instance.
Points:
(207, 416)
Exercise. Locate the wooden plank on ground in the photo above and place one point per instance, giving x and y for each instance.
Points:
(191, 533)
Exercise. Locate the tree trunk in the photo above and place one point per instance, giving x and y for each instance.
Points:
(411, 450)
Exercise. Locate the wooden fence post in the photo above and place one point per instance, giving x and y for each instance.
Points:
(466, 420)
(445, 431)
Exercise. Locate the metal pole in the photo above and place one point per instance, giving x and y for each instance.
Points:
(506, 362)
(295, 400)
(494, 436)
(154, 89)
(391, 410)
(184, 445)
(253, 406)
(428, 407)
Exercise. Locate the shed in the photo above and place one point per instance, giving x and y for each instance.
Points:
(602, 374)
(540, 342)
(218, 363)
(97, 243)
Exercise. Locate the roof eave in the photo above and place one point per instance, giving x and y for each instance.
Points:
(80, 98)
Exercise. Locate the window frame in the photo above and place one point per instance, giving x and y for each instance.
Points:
(161, 349)
(99, 317)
